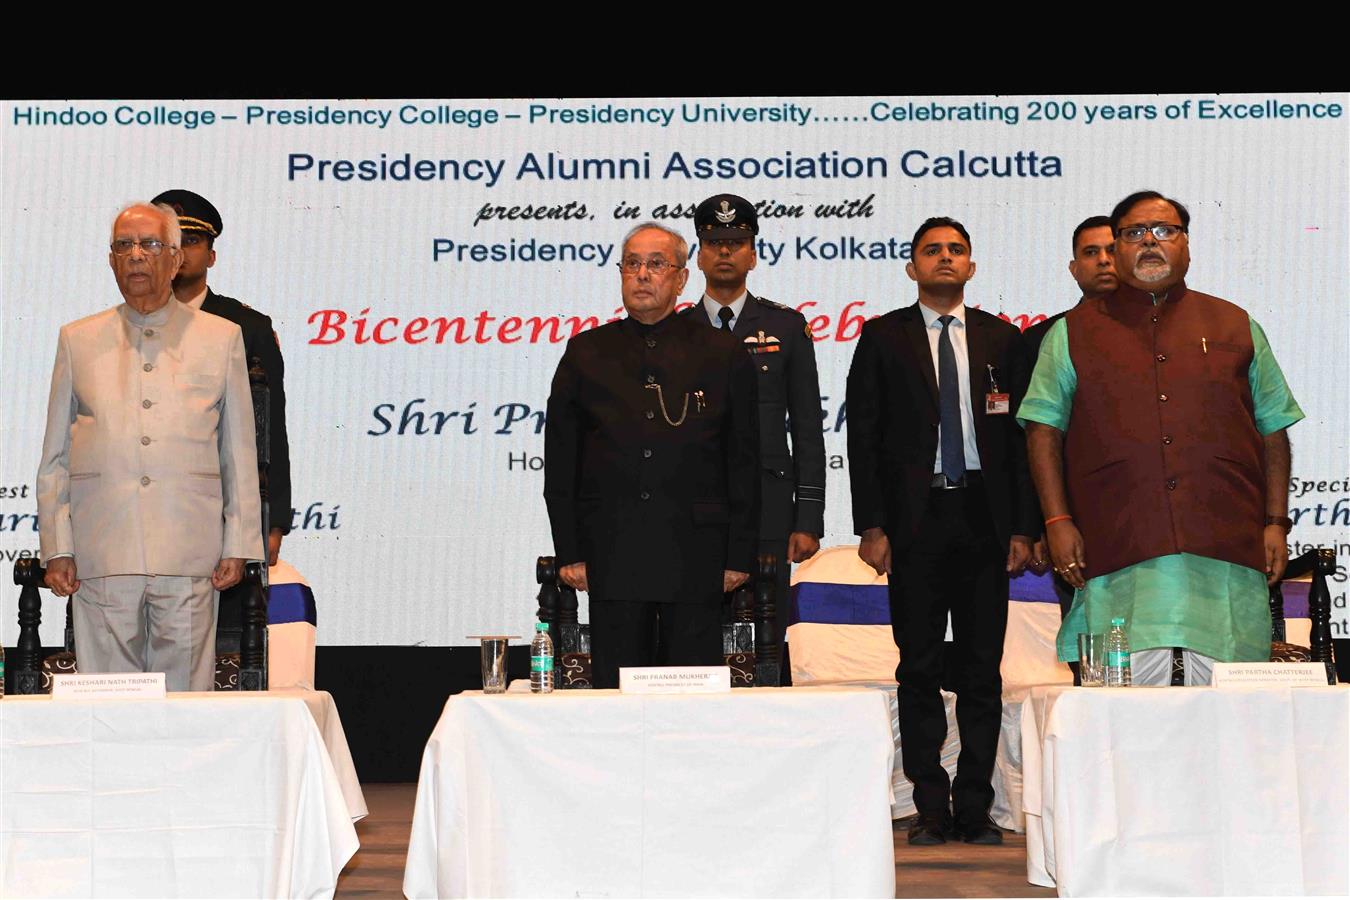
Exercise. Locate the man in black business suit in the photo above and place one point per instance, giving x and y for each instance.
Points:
(944, 504)
(201, 225)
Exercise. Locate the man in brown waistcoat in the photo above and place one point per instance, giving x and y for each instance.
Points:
(1156, 422)
(1093, 267)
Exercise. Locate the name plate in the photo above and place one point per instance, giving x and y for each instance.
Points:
(675, 680)
(1268, 674)
(109, 686)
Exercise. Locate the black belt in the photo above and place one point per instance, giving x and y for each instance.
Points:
(972, 477)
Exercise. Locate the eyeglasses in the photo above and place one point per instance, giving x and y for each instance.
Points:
(150, 246)
(1163, 232)
(656, 266)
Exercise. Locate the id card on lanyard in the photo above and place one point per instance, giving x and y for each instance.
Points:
(996, 402)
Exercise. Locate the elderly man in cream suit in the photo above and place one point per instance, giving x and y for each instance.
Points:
(148, 488)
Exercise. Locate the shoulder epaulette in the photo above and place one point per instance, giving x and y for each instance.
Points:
(764, 301)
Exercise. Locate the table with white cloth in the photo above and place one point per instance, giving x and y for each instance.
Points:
(1187, 791)
(758, 792)
(324, 711)
(207, 795)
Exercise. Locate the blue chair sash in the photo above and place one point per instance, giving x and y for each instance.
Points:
(290, 603)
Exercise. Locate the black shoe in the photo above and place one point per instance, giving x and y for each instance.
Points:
(929, 831)
(978, 831)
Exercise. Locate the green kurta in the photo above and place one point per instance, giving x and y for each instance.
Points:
(1209, 606)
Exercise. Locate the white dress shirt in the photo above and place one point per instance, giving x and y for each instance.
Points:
(712, 308)
(957, 332)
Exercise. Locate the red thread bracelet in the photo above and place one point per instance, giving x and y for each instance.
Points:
(1053, 519)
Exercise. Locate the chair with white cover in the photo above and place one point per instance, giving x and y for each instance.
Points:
(1029, 659)
(291, 629)
(839, 631)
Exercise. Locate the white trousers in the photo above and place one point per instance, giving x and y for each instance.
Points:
(148, 623)
(1155, 667)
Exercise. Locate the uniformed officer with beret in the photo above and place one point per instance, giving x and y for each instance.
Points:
(782, 351)
(201, 225)
(649, 473)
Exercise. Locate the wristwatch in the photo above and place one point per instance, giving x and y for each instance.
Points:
(1283, 521)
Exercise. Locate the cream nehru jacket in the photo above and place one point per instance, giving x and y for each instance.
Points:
(149, 463)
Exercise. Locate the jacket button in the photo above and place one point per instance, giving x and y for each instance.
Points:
(149, 332)
(1171, 484)
(1155, 319)
(651, 378)
(764, 368)
(779, 473)
(651, 343)
(1160, 358)
(145, 441)
(145, 479)
(146, 404)
(645, 495)
(650, 414)
(1167, 439)
(646, 453)
(1162, 397)
(147, 367)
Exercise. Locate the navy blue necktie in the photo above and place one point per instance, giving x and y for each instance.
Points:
(949, 404)
(725, 314)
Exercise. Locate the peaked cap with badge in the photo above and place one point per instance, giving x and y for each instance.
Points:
(725, 217)
(195, 212)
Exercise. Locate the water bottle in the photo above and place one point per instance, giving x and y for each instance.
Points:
(541, 660)
(1117, 655)
(2, 671)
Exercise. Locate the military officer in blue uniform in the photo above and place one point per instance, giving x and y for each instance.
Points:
(782, 350)
(202, 225)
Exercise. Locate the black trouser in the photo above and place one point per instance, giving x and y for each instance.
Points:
(782, 605)
(954, 563)
(647, 634)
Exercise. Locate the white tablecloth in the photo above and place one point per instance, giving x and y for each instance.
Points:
(324, 711)
(205, 795)
(762, 792)
(1187, 791)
